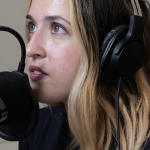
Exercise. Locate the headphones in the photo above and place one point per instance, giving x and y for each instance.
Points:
(123, 53)
(123, 49)
(19, 108)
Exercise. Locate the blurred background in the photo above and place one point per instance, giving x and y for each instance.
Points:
(12, 14)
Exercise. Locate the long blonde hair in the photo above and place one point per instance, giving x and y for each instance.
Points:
(92, 103)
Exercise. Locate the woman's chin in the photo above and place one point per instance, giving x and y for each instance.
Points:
(54, 104)
(51, 100)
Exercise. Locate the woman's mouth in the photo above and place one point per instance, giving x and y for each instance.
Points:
(36, 73)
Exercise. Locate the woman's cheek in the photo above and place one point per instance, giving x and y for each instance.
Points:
(69, 61)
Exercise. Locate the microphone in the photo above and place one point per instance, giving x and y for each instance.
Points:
(19, 108)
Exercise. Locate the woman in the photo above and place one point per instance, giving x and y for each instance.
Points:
(65, 39)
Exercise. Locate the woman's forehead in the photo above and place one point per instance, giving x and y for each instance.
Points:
(50, 7)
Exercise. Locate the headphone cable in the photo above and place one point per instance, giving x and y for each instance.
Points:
(118, 131)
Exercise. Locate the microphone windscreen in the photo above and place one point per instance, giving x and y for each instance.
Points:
(19, 109)
(14, 93)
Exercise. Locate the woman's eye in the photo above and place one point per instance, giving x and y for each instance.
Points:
(58, 29)
(31, 27)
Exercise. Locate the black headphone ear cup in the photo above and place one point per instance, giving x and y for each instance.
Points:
(130, 58)
(108, 38)
(109, 43)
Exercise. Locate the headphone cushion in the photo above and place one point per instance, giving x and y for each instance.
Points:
(108, 37)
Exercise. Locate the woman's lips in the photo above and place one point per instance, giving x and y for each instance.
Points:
(34, 76)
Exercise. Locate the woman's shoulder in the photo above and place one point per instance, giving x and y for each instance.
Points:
(50, 118)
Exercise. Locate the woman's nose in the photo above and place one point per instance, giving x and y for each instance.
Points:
(35, 47)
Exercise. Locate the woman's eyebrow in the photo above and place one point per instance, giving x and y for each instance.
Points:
(49, 18)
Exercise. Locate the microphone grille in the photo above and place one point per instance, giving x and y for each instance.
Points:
(18, 127)
(4, 111)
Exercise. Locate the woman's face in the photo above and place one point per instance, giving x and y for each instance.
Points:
(53, 48)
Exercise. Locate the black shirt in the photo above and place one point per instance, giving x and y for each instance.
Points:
(51, 132)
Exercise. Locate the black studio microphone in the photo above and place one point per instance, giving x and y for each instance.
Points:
(19, 108)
